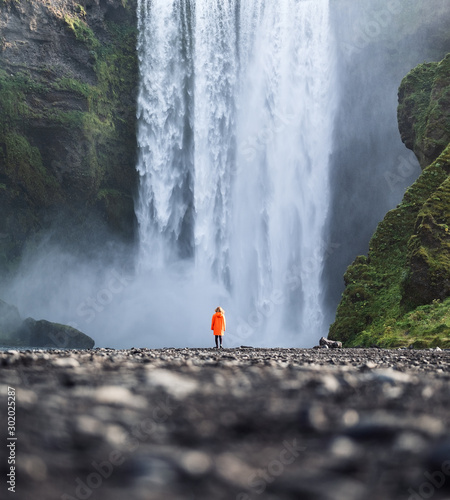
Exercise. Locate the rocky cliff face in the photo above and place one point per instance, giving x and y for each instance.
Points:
(399, 294)
(68, 82)
(424, 110)
(379, 41)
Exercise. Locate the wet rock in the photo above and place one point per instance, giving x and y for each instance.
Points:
(31, 333)
(331, 344)
(42, 333)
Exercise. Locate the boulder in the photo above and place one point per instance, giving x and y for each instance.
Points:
(15, 332)
(331, 344)
(52, 335)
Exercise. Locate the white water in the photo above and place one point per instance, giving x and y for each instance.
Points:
(235, 118)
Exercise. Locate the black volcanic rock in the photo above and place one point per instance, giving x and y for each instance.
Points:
(15, 332)
(43, 333)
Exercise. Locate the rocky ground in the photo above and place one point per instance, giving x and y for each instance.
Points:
(234, 424)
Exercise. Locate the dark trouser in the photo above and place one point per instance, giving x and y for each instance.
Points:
(217, 337)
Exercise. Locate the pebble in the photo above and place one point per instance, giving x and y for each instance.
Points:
(117, 395)
(175, 384)
(34, 467)
(196, 463)
(66, 363)
(345, 448)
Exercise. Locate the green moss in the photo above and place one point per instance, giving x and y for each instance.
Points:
(417, 86)
(107, 193)
(375, 300)
(427, 326)
(81, 29)
(23, 165)
(80, 10)
(74, 86)
(14, 108)
(424, 100)
(90, 158)
(108, 124)
(428, 275)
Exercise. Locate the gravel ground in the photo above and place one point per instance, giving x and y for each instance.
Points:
(231, 424)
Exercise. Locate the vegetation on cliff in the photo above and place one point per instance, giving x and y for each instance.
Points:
(424, 110)
(68, 81)
(399, 295)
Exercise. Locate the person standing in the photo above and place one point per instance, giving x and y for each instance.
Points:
(218, 325)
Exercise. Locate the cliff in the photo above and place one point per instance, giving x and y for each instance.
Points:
(399, 295)
(68, 83)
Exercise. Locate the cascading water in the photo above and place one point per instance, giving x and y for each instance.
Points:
(235, 117)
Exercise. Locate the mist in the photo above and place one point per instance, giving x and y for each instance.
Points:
(379, 42)
(120, 307)
(283, 292)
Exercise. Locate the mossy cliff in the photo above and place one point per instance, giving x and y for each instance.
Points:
(68, 82)
(399, 295)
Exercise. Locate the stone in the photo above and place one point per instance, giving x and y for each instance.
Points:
(43, 333)
(196, 463)
(66, 362)
(175, 384)
(332, 344)
(117, 395)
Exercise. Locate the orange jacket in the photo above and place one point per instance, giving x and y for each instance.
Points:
(218, 323)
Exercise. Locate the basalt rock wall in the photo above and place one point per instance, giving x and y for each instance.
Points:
(68, 84)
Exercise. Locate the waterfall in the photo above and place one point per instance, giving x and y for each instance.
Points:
(235, 118)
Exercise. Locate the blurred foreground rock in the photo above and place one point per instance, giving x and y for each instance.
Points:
(231, 424)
